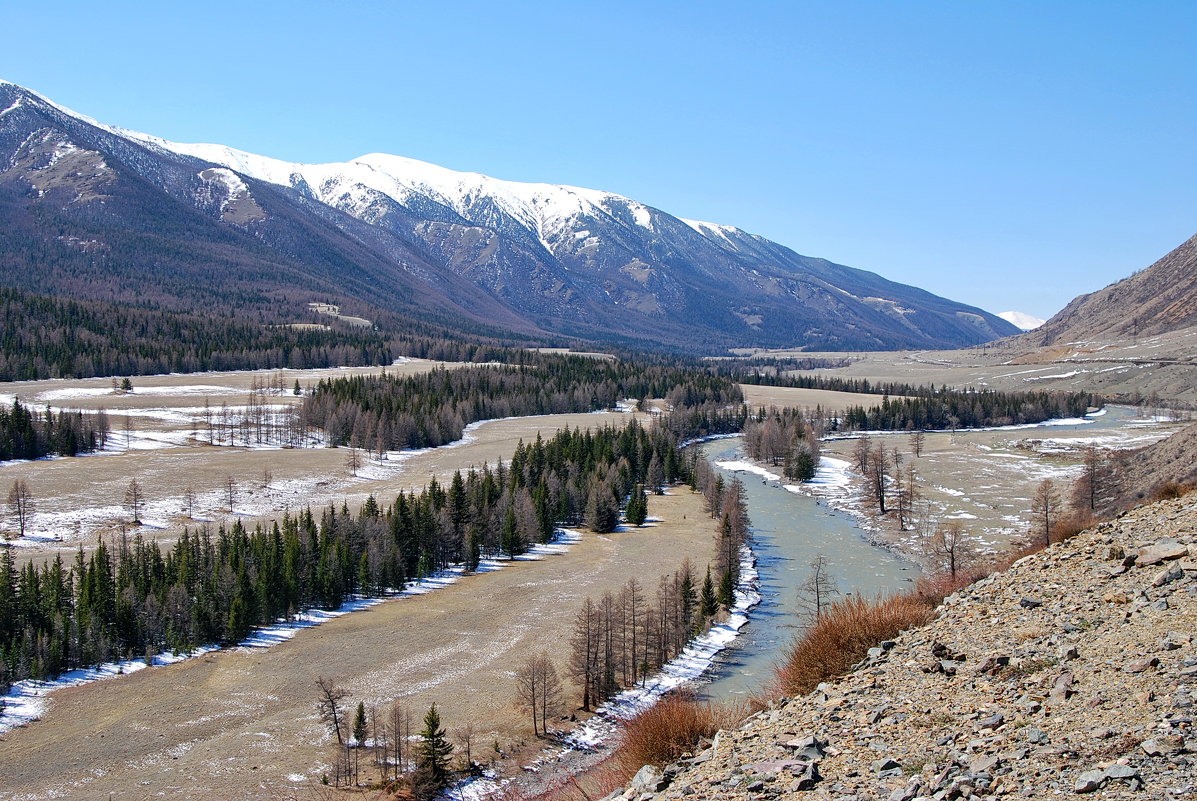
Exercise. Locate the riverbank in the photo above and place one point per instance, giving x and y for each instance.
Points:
(1070, 672)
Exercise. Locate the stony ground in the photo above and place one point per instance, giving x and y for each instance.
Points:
(1072, 672)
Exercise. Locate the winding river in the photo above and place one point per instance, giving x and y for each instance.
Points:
(789, 531)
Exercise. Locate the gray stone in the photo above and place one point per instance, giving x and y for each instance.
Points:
(1122, 773)
(1167, 575)
(1089, 781)
(1035, 735)
(809, 748)
(1163, 746)
(993, 721)
(649, 779)
(985, 764)
(1030, 603)
(885, 767)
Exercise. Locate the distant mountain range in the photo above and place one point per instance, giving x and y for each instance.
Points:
(1155, 300)
(100, 213)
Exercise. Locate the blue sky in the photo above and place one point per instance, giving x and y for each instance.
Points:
(1006, 154)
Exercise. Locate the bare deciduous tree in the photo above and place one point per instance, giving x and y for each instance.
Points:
(538, 690)
(950, 549)
(917, 439)
(134, 500)
(329, 704)
(815, 594)
(353, 461)
(1045, 507)
(20, 504)
(230, 492)
(189, 499)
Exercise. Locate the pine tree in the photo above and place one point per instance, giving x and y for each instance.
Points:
(359, 724)
(727, 590)
(433, 761)
(637, 509)
(708, 603)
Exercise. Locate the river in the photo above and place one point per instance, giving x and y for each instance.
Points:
(789, 531)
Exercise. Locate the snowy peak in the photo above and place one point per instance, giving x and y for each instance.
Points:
(1024, 321)
(397, 234)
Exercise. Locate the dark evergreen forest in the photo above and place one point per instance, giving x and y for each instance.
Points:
(131, 598)
(26, 434)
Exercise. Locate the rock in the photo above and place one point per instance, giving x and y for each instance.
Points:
(1122, 773)
(1068, 653)
(1089, 781)
(887, 767)
(809, 748)
(1035, 735)
(1163, 746)
(943, 652)
(1030, 603)
(1062, 686)
(649, 779)
(1161, 553)
(1167, 575)
(993, 721)
(1115, 598)
(1140, 665)
(985, 764)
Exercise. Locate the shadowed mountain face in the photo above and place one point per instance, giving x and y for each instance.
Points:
(98, 212)
(1157, 300)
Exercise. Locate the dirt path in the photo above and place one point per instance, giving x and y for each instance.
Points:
(242, 723)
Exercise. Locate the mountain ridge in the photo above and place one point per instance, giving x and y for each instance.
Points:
(536, 258)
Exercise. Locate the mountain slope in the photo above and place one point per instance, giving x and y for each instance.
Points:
(1159, 299)
(389, 233)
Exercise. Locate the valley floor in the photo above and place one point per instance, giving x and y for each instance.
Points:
(242, 723)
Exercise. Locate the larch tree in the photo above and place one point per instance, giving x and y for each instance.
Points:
(20, 504)
(1045, 508)
(134, 500)
(329, 705)
(815, 594)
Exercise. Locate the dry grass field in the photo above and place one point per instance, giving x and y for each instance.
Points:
(81, 499)
(242, 723)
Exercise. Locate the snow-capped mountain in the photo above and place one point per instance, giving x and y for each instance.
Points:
(1026, 322)
(402, 235)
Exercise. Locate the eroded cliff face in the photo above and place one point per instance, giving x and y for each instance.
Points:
(1072, 672)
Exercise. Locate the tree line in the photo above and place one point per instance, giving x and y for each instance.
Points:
(30, 434)
(381, 413)
(132, 598)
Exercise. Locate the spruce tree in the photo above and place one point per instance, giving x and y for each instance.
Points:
(433, 760)
(727, 589)
(359, 724)
(708, 603)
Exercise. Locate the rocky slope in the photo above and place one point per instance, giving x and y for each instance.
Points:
(90, 208)
(1072, 672)
(1172, 460)
(1156, 300)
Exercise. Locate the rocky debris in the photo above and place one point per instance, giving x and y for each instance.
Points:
(1087, 690)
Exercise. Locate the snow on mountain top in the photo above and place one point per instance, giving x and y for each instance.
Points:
(1024, 321)
(541, 207)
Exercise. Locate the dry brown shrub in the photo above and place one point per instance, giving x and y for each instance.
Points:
(672, 727)
(596, 781)
(1171, 490)
(1069, 527)
(932, 589)
(842, 636)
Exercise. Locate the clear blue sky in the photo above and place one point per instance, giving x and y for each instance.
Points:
(1006, 154)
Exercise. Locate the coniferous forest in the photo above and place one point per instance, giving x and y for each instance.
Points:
(131, 598)
(26, 434)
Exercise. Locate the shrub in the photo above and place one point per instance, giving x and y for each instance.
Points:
(842, 636)
(671, 727)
